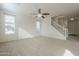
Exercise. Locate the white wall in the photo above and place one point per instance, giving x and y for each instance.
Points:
(26, 26)
(48, 30)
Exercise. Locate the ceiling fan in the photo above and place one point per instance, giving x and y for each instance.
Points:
(40, 14)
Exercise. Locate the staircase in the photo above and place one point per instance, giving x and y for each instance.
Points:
(60, 24)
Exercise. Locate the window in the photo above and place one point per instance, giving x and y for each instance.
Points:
(38, 25)
(9, 24)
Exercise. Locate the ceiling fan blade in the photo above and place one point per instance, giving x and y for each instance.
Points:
(45, 14)
(39, 11)
(42, 16)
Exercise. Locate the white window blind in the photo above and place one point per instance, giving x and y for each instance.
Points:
(9, 24)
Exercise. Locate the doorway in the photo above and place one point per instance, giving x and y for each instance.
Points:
(73, 28)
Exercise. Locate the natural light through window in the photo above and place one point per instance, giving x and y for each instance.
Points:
(68, 53)
(38, 25)
(9, 24)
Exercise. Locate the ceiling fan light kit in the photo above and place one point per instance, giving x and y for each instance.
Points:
(40, 14)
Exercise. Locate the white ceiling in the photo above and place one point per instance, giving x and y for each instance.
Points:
(8, 7)
(54, 9)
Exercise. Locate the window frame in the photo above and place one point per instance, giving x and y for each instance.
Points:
(7, 23)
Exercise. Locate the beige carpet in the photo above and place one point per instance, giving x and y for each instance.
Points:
(40, 46)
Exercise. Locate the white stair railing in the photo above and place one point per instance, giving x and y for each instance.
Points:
(61, 28)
